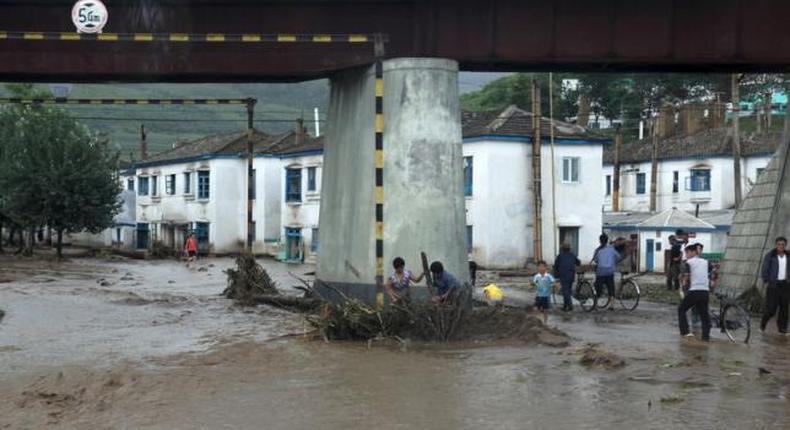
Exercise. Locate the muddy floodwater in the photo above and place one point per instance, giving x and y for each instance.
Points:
(95, 344)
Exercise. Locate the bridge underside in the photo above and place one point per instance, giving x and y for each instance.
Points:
(495, 35)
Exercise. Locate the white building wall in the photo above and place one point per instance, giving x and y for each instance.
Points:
(578, 204)
(302, 215)
(500, 209)
(662, 237)
(224, 210)
(721, 195)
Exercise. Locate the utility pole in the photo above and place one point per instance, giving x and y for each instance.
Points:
(618, 141)
(736, 138)
(250, 176)
(536, 174)
(654, 170)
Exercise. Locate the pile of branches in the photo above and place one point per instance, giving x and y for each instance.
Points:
(247, 281)
(354, 320)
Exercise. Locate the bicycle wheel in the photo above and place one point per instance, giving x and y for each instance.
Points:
(736, 323)
(602, 298)
(585, 295)
(629, 295)
(556, 297)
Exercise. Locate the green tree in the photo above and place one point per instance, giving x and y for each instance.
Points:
(55, 173)
(516, 89)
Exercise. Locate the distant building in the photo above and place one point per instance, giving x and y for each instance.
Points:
(650, 233)
(200, 186)
(692, 170)
(498, 184)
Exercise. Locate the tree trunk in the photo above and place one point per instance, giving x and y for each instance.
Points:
(21, 235)
(1, 237)
(31, 240)
(60, 244)
(768, 111)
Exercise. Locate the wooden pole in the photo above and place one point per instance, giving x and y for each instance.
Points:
(618, 141)
(654, 170)
(736, 138)
(536, 173)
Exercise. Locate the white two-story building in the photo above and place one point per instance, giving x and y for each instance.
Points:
(692, 170)
(498, 183)
(201, 187)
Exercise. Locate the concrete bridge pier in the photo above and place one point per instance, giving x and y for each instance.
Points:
(419, 161)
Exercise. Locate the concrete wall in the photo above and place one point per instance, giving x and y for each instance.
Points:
(423, 177)
(721, 196)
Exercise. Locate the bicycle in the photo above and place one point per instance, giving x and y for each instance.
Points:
(584, 293)
(627, 294)
(732, 319)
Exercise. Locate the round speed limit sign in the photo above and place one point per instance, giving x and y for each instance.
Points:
(90, 16)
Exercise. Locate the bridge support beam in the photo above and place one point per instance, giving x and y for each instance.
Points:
(422, 180)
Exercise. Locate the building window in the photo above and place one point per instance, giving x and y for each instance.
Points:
(675, 182)
(293, 185)
(640, 183)
(188, 183)
(311, 179)
(608, 185)
(469, 238)
(170, 185)
(760, 171)
(468, 174)
(253, 190)
(203, 184)
(699, 180)
(570, 169)
(130, 184)
(142, 186)
(154, 190)
(314, 241)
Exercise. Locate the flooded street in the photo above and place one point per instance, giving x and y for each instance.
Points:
(94, 344)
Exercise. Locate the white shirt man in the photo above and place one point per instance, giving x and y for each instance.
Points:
(695, 275)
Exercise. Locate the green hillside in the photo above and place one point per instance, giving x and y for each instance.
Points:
(279, 106)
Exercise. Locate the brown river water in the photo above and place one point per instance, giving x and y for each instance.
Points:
(154, 346)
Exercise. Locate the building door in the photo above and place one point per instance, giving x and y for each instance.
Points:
(293, 243)
(649, 254)
(570, 235)
(201, 233)
(142, 236)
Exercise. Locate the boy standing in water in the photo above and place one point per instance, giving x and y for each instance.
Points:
(543, 283)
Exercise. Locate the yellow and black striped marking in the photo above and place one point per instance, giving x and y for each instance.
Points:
(379, 185)
(187, 37)
(62, 101)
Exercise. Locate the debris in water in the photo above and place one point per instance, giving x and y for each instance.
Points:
(761, 370)
(671, 400)
(2, 314)
(247, 280)
(593, 356)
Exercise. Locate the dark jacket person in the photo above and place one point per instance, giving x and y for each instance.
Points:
(777, 292)
(565, 271)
